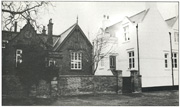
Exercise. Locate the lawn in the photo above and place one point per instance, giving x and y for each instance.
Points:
(156, 98)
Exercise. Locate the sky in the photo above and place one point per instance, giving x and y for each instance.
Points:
(90, 14)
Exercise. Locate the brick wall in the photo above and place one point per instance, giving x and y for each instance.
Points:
(72, 85)
(11, 87)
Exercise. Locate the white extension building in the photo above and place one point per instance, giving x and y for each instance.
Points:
(154, 46)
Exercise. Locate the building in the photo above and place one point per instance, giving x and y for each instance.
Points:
(144, 44)
(70, 53)
(105, 51)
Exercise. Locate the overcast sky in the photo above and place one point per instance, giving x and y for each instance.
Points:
(90, 14)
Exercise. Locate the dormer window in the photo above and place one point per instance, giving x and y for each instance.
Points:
(126, 33)
(18, 56)
(4, 43)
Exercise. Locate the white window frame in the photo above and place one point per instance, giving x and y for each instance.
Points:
(4, 42)
(51, 60)
(176, 37)
(175, 60)
(126, 33)
(18, 56)
(131, 59)
(166, 61)
(112, 60)
(76, 60)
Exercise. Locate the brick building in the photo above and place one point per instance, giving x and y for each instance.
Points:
(70, 52)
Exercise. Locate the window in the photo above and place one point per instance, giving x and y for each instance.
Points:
(166, 60)
(4, 42)
(76, 60)
(126, 33)
(52, 62)
(131, 59)
(176, 36)
(112, 61)
(174, 60)
(18, 56)
(102, 60)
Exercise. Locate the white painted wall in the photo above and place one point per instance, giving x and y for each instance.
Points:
(154, 42)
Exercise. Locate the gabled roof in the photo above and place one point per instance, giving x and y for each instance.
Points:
(139, 16)
(63, 37)
(170, 22)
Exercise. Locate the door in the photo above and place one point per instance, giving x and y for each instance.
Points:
(126, 88)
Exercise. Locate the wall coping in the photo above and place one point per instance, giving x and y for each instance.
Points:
(86, 76)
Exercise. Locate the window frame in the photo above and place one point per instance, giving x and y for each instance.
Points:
(112, 61)
(76, 60)
(131, 59)
(51, 60)
(166, 60)
(4, 42)
(19, 53)
(174, 60)
(126, 33)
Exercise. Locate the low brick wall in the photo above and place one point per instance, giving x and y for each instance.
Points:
(72, 85)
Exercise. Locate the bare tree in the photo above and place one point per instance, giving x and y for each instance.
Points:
(103, 46)
(21, 11)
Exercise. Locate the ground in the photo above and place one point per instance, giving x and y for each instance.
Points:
(156, 98)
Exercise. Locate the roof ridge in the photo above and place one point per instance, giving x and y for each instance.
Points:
(137, 13)
(68, 29)
(171, 18)
(63, 33)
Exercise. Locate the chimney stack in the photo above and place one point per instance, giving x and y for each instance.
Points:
(15, 27)
(50, 27)
(44, 31)
(105, 22)
(151, 5)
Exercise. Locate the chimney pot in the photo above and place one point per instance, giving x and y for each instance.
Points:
(43, 31)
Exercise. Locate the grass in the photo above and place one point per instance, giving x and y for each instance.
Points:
(156, 98)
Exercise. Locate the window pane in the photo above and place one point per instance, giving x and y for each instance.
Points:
(79, 65)
(175, 65)
(75, 56)
(166, 65)
(133, 60)
(132, 53)
(175, 61)
(133, 65)
(129, 54)
(130, 65)
(75, 65)
(174, 54)
(79, 56)
(129, 60)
